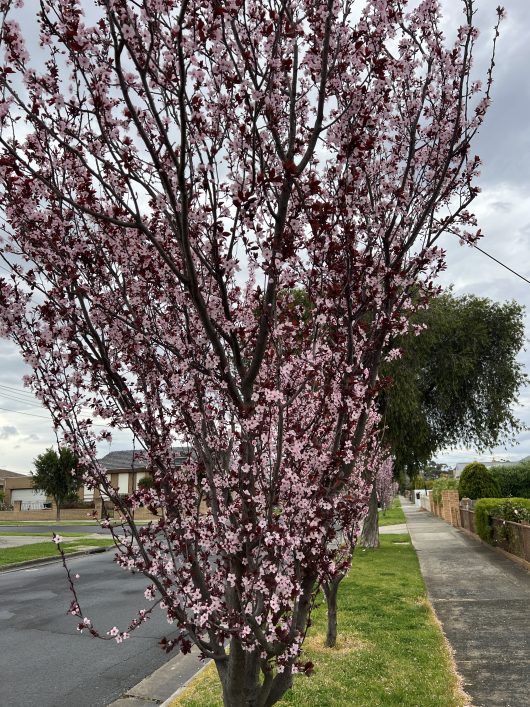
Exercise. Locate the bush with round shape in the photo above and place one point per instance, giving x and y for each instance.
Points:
(477, 482)
(146, 482)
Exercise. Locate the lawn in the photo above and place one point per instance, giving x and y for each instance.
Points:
(38, 551)
(393, 516)
(391, 650)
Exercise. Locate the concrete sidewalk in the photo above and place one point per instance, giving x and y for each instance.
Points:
(483, 602)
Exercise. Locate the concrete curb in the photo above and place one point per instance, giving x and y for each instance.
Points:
(51, 560)
(159, 687)
(188, 682)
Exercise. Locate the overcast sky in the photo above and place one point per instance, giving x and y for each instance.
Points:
(503, 209)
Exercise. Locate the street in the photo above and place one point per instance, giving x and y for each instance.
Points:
(55, 528)
(43, 659)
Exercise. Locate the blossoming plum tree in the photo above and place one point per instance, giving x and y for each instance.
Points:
(172, 172)
(386, 487)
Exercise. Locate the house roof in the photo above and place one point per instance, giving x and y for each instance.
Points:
(124, 458)
(5, 474)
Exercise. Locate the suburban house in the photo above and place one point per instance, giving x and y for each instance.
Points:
(19, 487)
(5, 474)
(127, 467)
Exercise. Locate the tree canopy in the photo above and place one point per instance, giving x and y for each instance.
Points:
(54, 474)
(457, 381)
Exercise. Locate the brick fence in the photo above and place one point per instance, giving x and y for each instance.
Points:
(512, 539)
(17, 514)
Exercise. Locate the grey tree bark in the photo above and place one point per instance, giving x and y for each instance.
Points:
(370, 532)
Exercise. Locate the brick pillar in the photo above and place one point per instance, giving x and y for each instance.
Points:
(450, 506)
(99, 507)
(17, 506)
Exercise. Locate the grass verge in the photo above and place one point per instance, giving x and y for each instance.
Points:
(393, 516)
(391, 651)
(40, 551)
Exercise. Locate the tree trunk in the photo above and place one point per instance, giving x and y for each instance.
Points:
(239, 672)
(330, 590)
(57, 511)
(239, 676)
(370, 532)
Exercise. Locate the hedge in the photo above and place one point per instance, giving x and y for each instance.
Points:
(513, 480)
(512, 509)
(477, 482)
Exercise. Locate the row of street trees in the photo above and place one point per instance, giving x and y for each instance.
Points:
(172, 172)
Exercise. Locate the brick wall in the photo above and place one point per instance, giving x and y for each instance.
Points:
(451, 507)
(48, 514)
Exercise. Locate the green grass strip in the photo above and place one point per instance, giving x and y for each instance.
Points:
(393, 516)
(391, 651)
(38, 551)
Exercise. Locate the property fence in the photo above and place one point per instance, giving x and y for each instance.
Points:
(511, 537)
(467, 519)
(34, 505)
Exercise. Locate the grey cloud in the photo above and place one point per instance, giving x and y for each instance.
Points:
(8, 431)
(501, 205)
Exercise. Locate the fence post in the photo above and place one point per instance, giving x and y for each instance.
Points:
(525, 532)
(450, 504)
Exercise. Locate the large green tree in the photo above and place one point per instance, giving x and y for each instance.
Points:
(456, 382)
(57, 474)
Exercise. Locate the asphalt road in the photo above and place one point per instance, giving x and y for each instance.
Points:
(45, 528)
(44, 661)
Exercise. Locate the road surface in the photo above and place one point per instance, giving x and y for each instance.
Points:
(44, 661)
(54, 528)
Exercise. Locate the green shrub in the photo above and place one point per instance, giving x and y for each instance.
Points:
(513, 480)
(77, 503)
(442, 485)
(477, 482)
(513, 509)
(146, 482)
(420, 482)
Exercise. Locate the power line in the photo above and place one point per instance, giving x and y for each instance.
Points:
(33, 399)
(18, 391)
(13, 399)
(496, 260)
(474, 245)
(31, 414)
